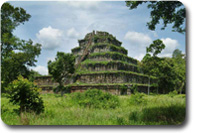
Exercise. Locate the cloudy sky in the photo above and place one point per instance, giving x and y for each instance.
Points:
(58, 25)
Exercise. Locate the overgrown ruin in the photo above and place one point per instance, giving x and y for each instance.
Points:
(102, 63)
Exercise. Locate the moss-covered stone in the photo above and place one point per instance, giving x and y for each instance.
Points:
(105, 47)
(90, 65)
(111, 56)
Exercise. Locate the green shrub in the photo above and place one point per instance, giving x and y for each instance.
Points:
(172, 114)
(123, 89)
(134, 116)
(137, 98)
(62, 89)
(173, 93)
(76, 49)
(94, 98)
(121, 121)
(24, 93)
(134, 89)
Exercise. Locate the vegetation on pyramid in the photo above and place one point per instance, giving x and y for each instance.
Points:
(101, 60)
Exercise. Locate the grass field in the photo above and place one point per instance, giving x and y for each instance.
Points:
(149, 110)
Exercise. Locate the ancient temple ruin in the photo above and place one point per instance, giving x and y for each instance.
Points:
(102, 63)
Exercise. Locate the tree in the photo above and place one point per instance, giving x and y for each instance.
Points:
(156, 47)
(25, 94)
(62, 68)
(16, 55)
(171, 12)
(167, 75)
(180, 66)
(177, 54)
(163, 69)
(11, 17)
(150, 64)
(170, 75)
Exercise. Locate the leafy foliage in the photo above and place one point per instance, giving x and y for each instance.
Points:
(16, 54)
(170, 114)
(171, 12)
(123, 89)
(173, 93)
(156, 47)
(138, 99)
(169, 71)
(76, 49)
(25, 94)
(94, 98)
(62, 68)
(180, 67)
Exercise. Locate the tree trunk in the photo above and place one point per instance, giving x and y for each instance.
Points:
(61, 88)
(181, 88)
(149, 86)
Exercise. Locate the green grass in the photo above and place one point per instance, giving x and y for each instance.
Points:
(151, 110)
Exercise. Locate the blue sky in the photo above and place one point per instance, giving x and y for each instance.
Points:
(58, 25)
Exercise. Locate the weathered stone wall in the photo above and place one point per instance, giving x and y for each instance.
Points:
(77, 59)
(98, 50)
(107, 40)
(80, 52)
(107, 58)
(100, 33)
(110, 67)
(45, 80)
(105, 49)
(47, 84)
(112, 78)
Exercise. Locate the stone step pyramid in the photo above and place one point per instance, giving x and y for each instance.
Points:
(102, 63)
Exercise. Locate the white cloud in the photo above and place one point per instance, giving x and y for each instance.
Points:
(84, 4)
(41, 69)
(50, 59)
(140, 56)
(137, 38)
(49, 37)
(154, 33)
(170, 46)
(137, 43)
(72, 33)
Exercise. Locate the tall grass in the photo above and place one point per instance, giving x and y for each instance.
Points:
(94, 98)
(156, 110)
